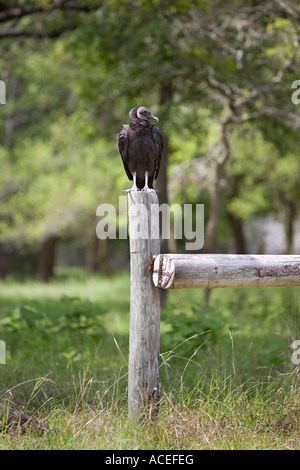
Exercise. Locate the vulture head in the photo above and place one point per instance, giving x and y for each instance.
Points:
(144, 114)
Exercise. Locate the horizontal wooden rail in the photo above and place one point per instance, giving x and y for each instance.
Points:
(185, 271)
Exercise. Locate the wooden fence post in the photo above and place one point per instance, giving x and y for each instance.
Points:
(186, 271)
(144, 341)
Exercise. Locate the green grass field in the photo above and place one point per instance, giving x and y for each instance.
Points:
(227, 379)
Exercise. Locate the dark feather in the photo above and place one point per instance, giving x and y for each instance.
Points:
(141, 147)
(158, 139)
(123, 148)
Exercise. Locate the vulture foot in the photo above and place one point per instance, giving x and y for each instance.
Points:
(131, 189)
(149, 190)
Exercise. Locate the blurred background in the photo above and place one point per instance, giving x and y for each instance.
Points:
(219, 76)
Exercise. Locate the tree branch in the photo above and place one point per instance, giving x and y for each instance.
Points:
(222, 88)
(20, 12)
(269, 87)
(287, 9)
(33, 34)
(279, 114)
(14, 15)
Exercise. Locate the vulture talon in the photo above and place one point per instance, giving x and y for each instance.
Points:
(130, 190)
(148, 190)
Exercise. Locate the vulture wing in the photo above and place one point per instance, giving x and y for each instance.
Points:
(159, 142)
(123, 148)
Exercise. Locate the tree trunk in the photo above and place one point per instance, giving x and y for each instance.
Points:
(211, 227)
(235, 222)
(165, 101)
(98, 255)
(236, 226)
(291, 214)
(216, 191)
(46, 260)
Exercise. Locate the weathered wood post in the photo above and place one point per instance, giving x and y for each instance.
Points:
(186, 271)
(143, 379)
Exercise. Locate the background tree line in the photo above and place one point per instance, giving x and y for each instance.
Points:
(217, 73)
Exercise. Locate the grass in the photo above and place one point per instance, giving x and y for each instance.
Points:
(227, 381)
(222, 415)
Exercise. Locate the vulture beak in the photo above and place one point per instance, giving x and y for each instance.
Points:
(154, 117)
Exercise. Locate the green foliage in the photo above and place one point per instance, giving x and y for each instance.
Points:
(64, 366)
(74, 315)
(247, 329)
(190, 328)
(78, 315)
(270, 179)
(66, 102)
(68, 98)
(61, 325)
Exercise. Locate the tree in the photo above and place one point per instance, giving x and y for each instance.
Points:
(200, 64)
(236, 59)
(54, 176)
(42, 19)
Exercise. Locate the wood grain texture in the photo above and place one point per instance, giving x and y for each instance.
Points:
(185, 271)
(143, 379)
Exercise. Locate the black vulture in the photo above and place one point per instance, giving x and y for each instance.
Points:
(141, 146)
